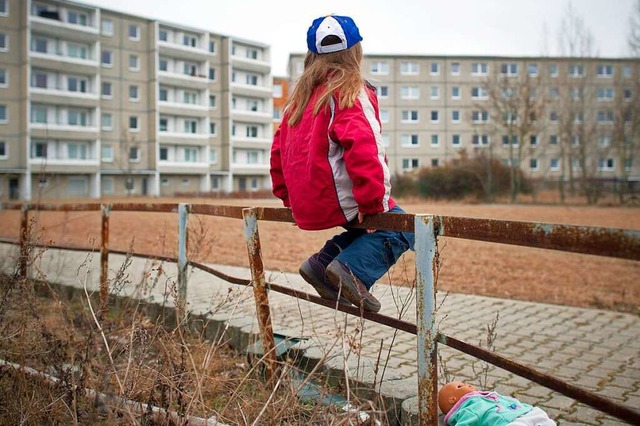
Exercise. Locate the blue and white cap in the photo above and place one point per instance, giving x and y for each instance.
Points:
(342, 27)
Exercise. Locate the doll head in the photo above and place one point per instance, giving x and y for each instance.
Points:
(451, 393)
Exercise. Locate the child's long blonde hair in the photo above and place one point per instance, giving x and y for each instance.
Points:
(340, 71)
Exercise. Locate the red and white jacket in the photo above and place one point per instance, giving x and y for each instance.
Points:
(332, 165)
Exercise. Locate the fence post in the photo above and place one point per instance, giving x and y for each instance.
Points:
(104, 259)
(183, 214)
(24, 243)
(260, 295)
(426, 321)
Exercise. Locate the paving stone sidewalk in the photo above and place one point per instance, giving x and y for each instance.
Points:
(595, 349)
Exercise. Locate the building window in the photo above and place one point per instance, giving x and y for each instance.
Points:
(628, 164)
(479, 69)
(409, 116)
(554, 93)
(39, 45)
(77, 118)
(407, 140)
(435, 116)
(553, 70)
(4, 42)
(554, 164)
(455, 68)
(252, 131)
(39, 80)
(605, 94)
(479, 117)
(4, 77)
(627, 71)
(133, 123)
(382, 91)
(107, 91)
(77, 151)
(410, 92)
(455, 140)
(106, 153)
(455, 116)
(134, 93)
(252, 79)
(533, 140)
(604, 141)
(553, 116)
(435, 68)
(134, 154)
(38, 149)
(107, 58)
(134, 63)
(164, 153)
(163, 64)
(212, 101)
(455, 92)
(576, 70)
(163, 35)
(605, 117)
(4, 114)
(605, 71)
(106, 27)
(190, 40)
(212, 73)
(106, 121)
(435, 140)
(533, 70)
(163, 94)
(191, 126)
(533, 164)
(409, 68)
(39, 114)
(384, 115)
(553, 140)
(212, 46)
(76, 84)
(134, 32)
(606, 164)
(163, 124)
(190, 97)
(191, 155)
(379, 68)
(509, 69)
(277, 90)
(435, 92)
(212, 128)
(480, 140)
(4, 8)
(410, 164)
(4, 150)
(627, 94)
(77, 186)
(479, 93)
(514, 140)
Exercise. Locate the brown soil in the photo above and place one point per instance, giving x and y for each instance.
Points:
(467, 266)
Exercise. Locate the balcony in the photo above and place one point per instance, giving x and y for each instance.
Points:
(252, 116)
(184, 80)
(248, 64)
(64, 97)
(249, 143)
(250, 169)
(49, 23)
(179, 138)
(183, 167)
(252, 90)
(63, 131)
(55, 62)
(182, 51)
(181, 108)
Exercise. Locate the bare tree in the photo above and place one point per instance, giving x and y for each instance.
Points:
(576, 119)
(515, 101)
(634, 30)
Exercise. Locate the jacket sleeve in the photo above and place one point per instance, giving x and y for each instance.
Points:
(358, 131)
(277, 176)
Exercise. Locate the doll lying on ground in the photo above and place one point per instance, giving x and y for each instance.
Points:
(463, 404)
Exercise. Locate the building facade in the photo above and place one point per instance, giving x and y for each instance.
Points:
(95, 102)
(556, 118)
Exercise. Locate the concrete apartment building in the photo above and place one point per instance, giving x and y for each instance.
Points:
(434, 107)
(95, 102)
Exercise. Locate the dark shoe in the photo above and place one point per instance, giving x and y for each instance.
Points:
(313, 272)
(353, 289)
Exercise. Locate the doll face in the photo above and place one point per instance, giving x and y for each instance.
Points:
(451, 393)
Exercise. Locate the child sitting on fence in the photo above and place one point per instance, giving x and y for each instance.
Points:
(463, 404)
(328, 165)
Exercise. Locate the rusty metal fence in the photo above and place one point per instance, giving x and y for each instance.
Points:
(619, 243)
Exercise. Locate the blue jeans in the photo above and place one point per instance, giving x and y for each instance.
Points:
(369, 256)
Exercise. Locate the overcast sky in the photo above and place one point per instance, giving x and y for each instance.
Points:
(447, 27)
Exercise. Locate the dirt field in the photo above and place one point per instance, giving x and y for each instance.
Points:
(467, 267)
